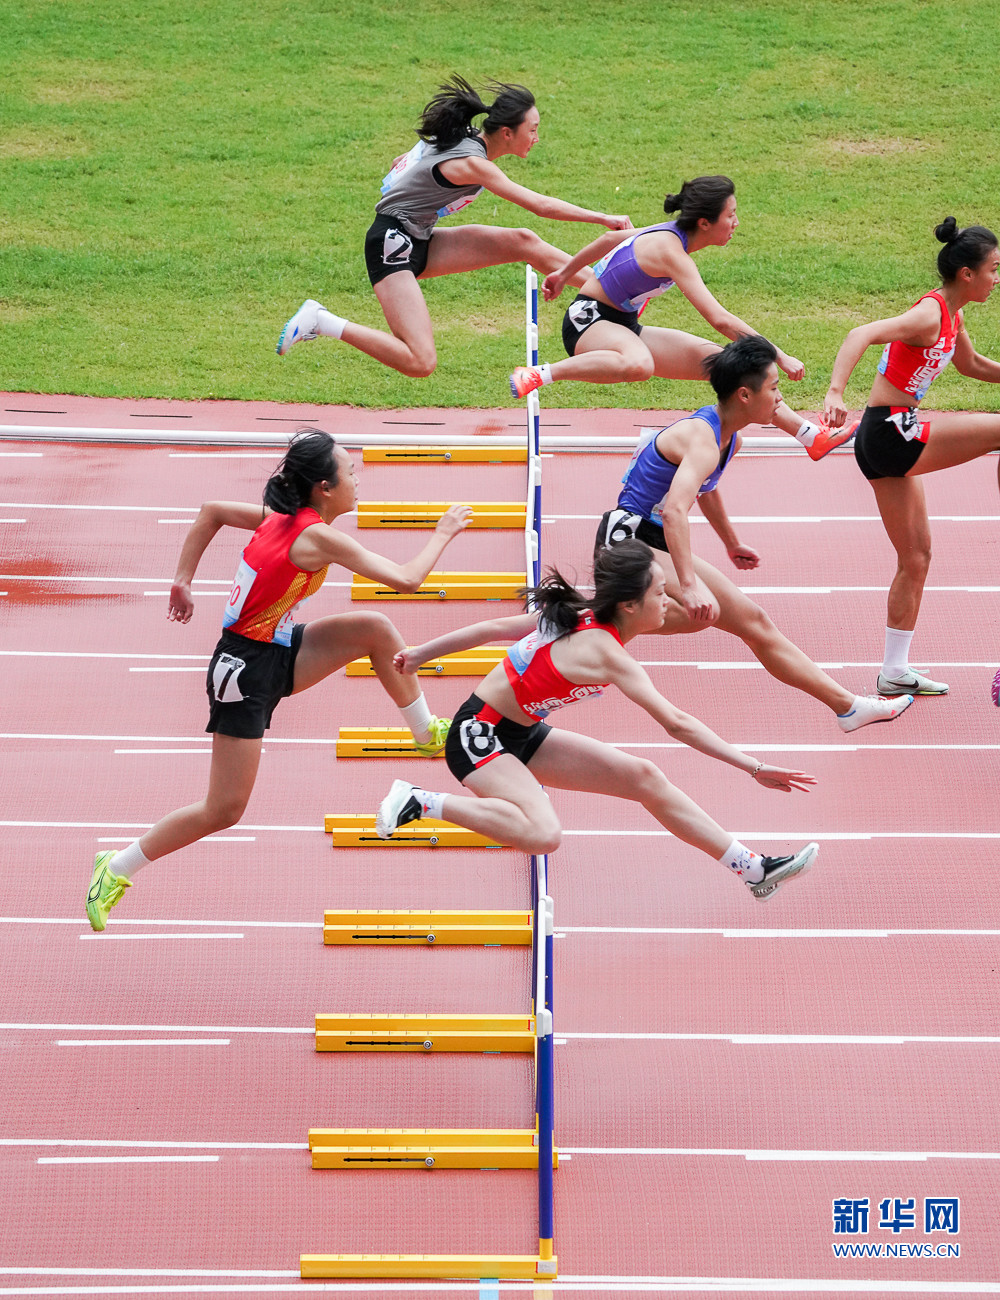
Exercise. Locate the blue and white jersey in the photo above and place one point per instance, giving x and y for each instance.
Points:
(624, 281)
(647, 480)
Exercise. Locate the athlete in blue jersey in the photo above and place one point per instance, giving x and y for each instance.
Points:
(601, 330)
(447, 169)
(683, 463)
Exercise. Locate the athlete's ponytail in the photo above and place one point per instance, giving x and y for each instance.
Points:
(448, 117)
(556, 602)
(705, 196)
(622, 573)
(309, 460)
(969, 247)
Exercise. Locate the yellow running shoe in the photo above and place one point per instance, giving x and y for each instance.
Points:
(439, 728)
(106, 889)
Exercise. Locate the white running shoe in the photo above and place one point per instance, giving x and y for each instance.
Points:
(910, 682)
(872, 708)
(398, 807)
(301, 328)
(779, 870)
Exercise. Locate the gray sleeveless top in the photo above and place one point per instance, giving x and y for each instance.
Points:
(416, 195)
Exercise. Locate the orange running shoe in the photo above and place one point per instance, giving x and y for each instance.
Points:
(525, 380)
(828, 439)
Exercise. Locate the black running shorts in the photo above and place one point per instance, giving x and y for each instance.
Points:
(389, 248)
(889, 441)
(620, 525)
(584, 312)
(478, 734)
(246, 679)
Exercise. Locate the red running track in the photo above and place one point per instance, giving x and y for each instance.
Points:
(725, 1070)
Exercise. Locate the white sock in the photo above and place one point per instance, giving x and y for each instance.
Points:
(807, 433)
(417, 717)
(127, 862)
(747, 864)
(330, 326)
(897, 652)
(431, 803)
(545, 371)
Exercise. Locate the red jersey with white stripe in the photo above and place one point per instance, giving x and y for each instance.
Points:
(912, 370)
(268, 587)
(539, 687)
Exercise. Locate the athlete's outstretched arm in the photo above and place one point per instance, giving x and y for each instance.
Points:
(968, 361)
(511, 628)
(211, 517)
(633, 681)
(480, 171)
(322, 544)
(556, 281)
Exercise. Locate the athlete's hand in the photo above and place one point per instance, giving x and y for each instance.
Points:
(780, 778)
(834, 410)
(454, 521)
(407, 661)
(618, 223)
(744, 557)
(553, 285)
(792, 366)
(697, 608)
(181, 606)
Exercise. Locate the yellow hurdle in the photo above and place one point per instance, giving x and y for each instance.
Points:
(403, 1032)
(391, 928)
(446, 455)
(445, 586)
(416, 1148)
(379, 742)
(463, 663)
(439, 1267)
(357, 830)
(425, 514)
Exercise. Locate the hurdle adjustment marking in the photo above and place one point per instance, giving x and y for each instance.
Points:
(445, 586)
(387, 927)
(357, 830)
(445, 455)
(463, 663)
(425, 514)
(441, 1267)
(422, 1149)
(387, 1032)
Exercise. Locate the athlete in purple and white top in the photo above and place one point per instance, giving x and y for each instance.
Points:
(601, 330)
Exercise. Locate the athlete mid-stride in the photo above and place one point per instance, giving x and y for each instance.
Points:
(450, 165)
(264, 654)
(569, 648)
(895, 443)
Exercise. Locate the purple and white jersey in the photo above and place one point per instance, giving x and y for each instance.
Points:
(622, 278)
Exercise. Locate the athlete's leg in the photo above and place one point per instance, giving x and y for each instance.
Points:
(508, 805)
(903, 507)
(570, 762)
(470, 248)
(955, 438)
(333, 642)
(606, 353)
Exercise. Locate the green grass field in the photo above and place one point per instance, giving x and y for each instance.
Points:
(176, 177)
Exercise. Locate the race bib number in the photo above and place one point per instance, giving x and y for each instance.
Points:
(242, 583)
(479, 741)
(226, 671)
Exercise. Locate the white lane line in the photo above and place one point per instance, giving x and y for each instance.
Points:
(774, 1040)
(32, 454)
(61, 505)
(227, 583)
(151, 1146)
(127, 1160)
(808, 519)
(108, 654)
(170, 1029)
(227, 455)
(106, 936)
(13, 521)
(114, 921)
(175, 521)
(203, 750)
(165, 668)
(776, 934)
(209, 839)
(142, 1042)
(169, 740)
(752, 1154)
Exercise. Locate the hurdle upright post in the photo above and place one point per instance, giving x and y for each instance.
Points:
(533, 520)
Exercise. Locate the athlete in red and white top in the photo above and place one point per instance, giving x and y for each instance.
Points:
(569, 648)
(263, 654)
(894, 446)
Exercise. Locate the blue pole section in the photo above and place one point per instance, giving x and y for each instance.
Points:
(544, 1064)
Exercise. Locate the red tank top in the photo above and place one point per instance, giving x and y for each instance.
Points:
(268, 587)
(912, 370)
(538, 686)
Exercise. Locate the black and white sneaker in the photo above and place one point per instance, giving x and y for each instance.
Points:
(398, 807)
(777, 870)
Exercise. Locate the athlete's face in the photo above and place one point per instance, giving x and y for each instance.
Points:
(652, 609)
(721, 230)
(343, 495)
(762, 404)
(523, 138)
(984, 278)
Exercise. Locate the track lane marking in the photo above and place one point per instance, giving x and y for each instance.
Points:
(126, 1160)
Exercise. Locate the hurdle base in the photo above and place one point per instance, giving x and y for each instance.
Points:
(425, 1149)
(440, 1267)
(428, 928)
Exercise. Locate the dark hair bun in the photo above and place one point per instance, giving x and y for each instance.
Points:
(671, 203)
(947, 231)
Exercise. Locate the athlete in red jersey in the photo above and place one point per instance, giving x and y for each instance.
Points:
(569, 648)
(894, 446)
(264, 654)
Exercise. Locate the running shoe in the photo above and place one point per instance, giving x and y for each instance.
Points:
(779, 870)
(995, 689)
(301, 328)
(525, 380)
(399, 807)
(872, 708)
(105, 890)
(912, 683)
(828, 439)
(439, 728)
